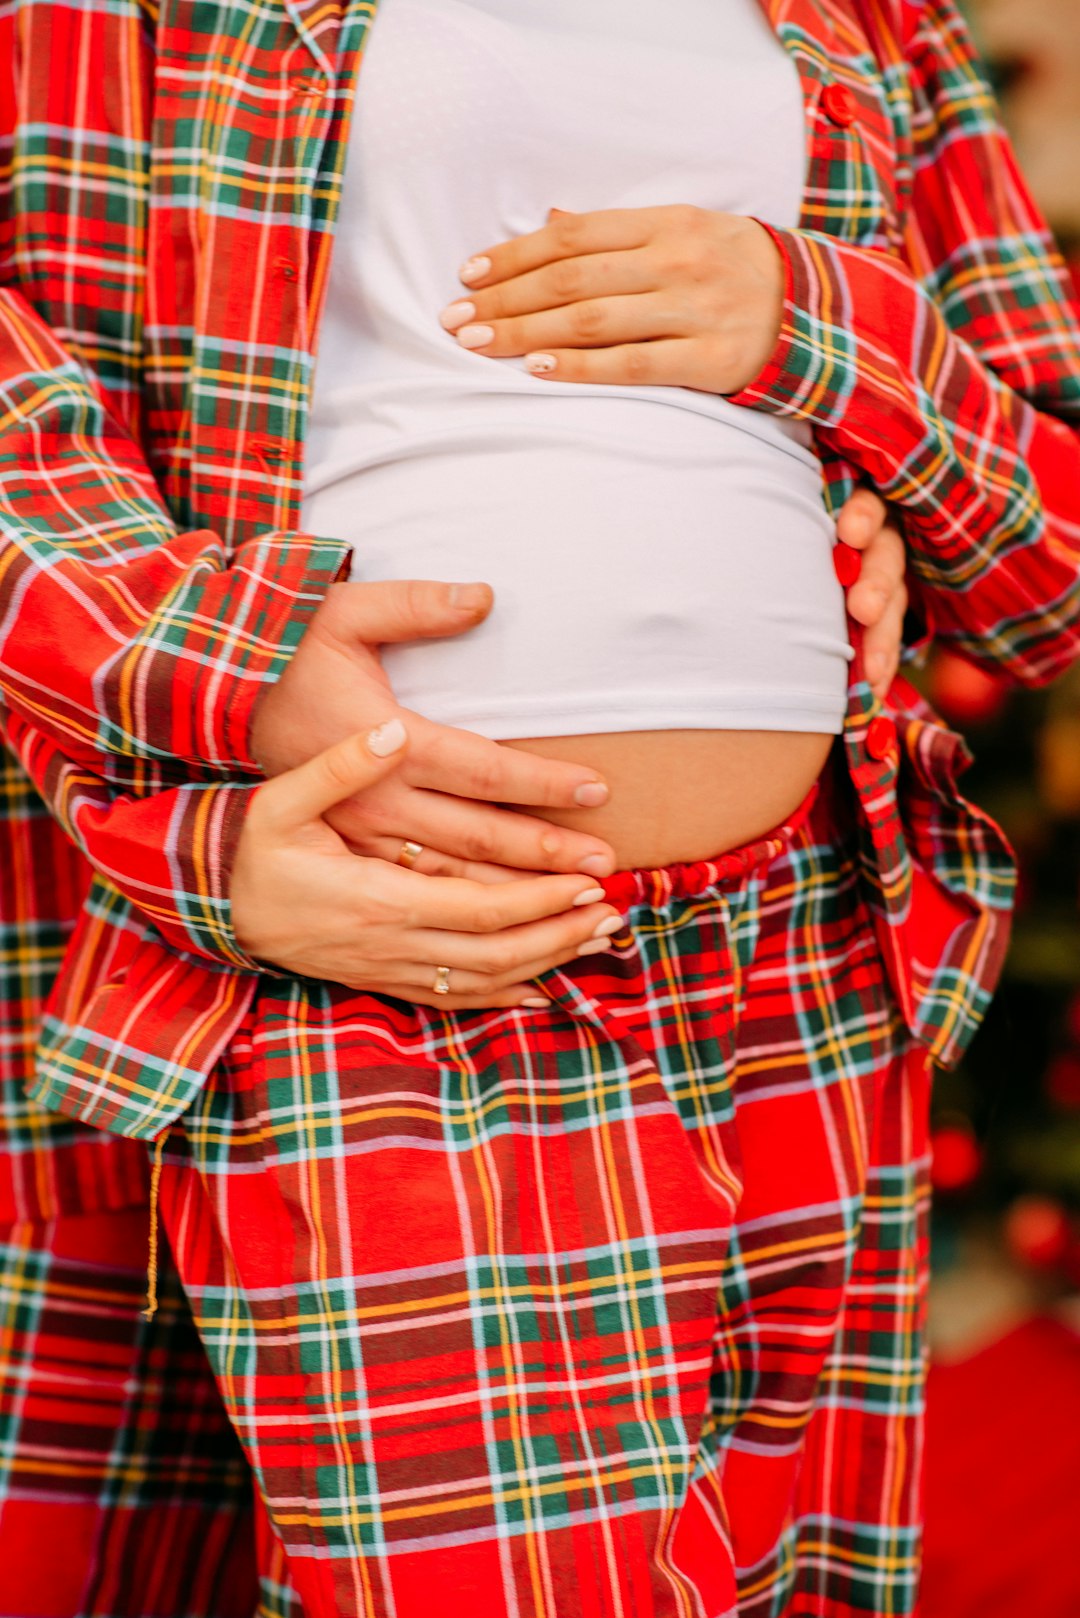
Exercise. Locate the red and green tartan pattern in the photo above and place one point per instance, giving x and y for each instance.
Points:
(172, 194)
(155, 374)
(123, 1491)
(48, 1165)
(612, 1308)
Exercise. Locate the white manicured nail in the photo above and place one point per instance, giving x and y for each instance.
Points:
(456, 314)
(386, 739)
(610, 924)
(474, 269)
(591, 794)
(538, 1001)
(475, 336)
(540, 364)
(594, 946)
(590, 896)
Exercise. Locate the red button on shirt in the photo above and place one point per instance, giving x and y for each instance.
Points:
(847, 562)
(839, 105)
(881, 738)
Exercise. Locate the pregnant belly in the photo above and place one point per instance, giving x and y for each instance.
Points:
(687, 794)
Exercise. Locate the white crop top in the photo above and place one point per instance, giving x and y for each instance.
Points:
(661, 558)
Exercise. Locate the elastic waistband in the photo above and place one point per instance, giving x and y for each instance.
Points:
(656, 886)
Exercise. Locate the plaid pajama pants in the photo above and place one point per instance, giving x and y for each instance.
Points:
(123, 1490)
(613, 1308)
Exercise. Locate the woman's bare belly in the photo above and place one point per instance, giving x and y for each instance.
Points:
(686, 794)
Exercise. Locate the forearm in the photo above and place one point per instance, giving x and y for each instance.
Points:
(988, 483)
(120, 637)
(171, 854)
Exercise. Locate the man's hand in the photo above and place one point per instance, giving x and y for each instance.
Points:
(447, 793)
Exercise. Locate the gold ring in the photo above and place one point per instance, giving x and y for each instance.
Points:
(410, 853)
(442, 980)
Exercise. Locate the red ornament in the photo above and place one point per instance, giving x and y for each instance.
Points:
(1037, 1231)
(966, 695)
(956, 1158)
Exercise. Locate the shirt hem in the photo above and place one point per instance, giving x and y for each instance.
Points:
(822, 715)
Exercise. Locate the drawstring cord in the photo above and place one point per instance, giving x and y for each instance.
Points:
(152, 1262)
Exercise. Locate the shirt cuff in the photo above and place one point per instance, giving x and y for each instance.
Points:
(280, 584)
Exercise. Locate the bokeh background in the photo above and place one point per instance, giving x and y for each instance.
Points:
(1003, 1448)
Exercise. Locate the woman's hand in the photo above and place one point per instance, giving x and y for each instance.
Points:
(448, 793)
(878, 598)
(675, 297)
(302, 902)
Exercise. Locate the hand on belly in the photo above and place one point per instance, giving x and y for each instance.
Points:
(687, 794)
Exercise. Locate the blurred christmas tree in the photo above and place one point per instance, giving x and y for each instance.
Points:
(1007, 1125)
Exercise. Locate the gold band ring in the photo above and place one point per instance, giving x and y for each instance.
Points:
(442, 980)
(410, 853)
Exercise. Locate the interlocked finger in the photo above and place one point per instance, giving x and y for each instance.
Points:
(503, 956)
(433, 862)
(473, 991)
(476, 834)
(478, 987)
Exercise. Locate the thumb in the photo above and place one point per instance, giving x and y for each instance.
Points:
(307, 792)
(411, 609)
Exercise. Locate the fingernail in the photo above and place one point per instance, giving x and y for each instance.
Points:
(469, 597)
(540, 364)
(875, 666)
(386, 739)
(594, 946)
(475, 336)
(597, 865)
(591, 794)
(589, 896)
(456, 314)
(605, 928)
(474, 269)
(538, 1001)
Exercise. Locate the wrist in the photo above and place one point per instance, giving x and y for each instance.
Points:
(767, 266)
(768, 358)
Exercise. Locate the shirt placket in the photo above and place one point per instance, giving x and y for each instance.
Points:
(316, 116)
(285, 111)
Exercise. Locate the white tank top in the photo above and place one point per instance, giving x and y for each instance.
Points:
(661, 558)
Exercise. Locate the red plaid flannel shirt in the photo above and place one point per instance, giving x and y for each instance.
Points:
(172, 178)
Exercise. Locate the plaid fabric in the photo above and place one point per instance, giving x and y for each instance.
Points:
(123, 1493)
(48, 1165)
(174, 184)
(464, 1279)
